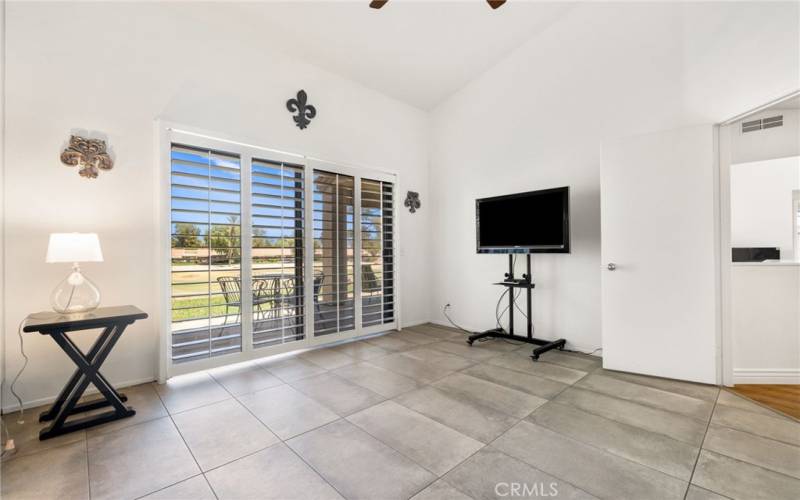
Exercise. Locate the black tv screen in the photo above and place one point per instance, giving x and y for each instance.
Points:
(532, 222)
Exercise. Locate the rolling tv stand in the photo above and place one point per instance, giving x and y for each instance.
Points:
(528, 285)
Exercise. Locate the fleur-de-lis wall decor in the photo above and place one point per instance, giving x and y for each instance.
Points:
(88, 154)
(305, 112)
(412, 201)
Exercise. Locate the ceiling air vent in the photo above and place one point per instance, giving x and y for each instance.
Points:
(763, 123)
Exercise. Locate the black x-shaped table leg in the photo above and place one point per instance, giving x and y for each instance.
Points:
(88, 372)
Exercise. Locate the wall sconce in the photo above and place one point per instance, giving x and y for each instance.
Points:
(88, 154)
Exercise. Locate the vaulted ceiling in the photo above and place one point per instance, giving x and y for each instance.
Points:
(418, 52)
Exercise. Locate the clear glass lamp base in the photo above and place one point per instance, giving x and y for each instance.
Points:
(75, 294)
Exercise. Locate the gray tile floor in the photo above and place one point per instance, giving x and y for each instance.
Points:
(418, 414)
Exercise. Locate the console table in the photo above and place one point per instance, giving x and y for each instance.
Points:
(113, 321)
(527, 284)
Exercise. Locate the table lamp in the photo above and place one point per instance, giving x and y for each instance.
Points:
(76, 293)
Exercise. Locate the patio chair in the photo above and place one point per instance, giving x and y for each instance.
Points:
(318, 280)
(231, 287)
(232, 292)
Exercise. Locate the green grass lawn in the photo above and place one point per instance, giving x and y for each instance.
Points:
(201, 304)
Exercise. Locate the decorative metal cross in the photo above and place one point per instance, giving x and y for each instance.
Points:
(305, 112)
(412, 201)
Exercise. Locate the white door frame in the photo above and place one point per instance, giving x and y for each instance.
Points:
(725, 365)
(165, 134)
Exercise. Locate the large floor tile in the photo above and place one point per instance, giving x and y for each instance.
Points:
(337, 393)
(443, 359)
(196, 488)
(142, 398)
(436, 331)
(538, 386)
(390, 343)
(657, 398)
(495, 344)
(582, 362)
(291, 369)
(647, 448)
(191, 391)
(358, 465)
(600, 473)
(674, 425)
(440, 490)
(360, 351)
(739, 480)
(727, 398)
(777, 428)
(244, 378)
(513, 402)
(60, 472)
(286, 411)
(384, 382)
(697, 493)
(436, 447)
(138, 460)
(414, 337)
(757, 450)
(222, 432)
(328, 359)
(275, 473)
(458, 412)
(691, 389)
(26, 434)
(476, 352)
(524, 364)
(490, 474)
(421, 371)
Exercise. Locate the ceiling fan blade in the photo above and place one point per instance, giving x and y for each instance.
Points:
(377, 4)
(495, 3)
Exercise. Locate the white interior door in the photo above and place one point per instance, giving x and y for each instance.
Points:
(659, 277)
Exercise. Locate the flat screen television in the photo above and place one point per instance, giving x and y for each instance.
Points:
(532, 222)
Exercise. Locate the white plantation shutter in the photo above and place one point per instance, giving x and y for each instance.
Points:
(278, 235)
(334, 257)
(377, 253)
(205, 227)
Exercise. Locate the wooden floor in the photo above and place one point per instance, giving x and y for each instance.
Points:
(784, 398)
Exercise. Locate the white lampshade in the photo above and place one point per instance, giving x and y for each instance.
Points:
(74, 247)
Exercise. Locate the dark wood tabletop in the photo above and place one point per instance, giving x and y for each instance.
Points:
(45, 322)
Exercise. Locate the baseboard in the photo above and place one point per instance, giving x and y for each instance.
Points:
(13, 406)
(766, 376)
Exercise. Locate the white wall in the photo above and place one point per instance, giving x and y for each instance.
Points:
(762, 206)
(766, 323)
(115, 68)
(539, 117)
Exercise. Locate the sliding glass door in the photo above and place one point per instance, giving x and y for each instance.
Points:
(255, 268)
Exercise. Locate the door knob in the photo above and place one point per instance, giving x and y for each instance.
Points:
(612, 266)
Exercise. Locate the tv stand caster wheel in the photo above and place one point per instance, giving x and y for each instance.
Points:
(469, 342)
(535, 357)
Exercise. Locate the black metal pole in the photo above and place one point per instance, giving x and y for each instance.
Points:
(528, 292)
(511, 294)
